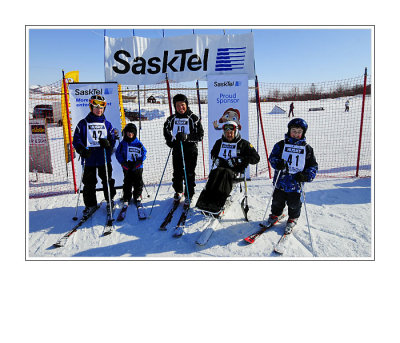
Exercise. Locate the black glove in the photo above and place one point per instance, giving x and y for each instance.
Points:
(137, 164)
(180, 136)
(104, 143)
(217, 161)
(116, 134)
(130, 164)
(233, 162)
(300, 177)
(85, 153)
(281, 164)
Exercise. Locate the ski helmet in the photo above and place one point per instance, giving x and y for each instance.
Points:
(180, 97)
(231, 125)
(298, 122)
(97, 101)
(130, 128)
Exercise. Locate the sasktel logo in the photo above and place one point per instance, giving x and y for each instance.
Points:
(182, 59)
(230, 58)
(227, 59)
(93, 91)
(227, 84)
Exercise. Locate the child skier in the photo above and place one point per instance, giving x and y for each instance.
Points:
(130, 154)
(92, 136)
(295, 160)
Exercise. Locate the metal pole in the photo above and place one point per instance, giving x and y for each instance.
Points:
(362, 122)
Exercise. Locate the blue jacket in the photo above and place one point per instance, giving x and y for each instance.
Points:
(286, 181)
(122, 150)
(79, 142)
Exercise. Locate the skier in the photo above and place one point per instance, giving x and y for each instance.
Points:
(183, 127)
(92, 136)
(347, 106)
(295, 160)
(291, 110)
(231, 154)
(130, 154)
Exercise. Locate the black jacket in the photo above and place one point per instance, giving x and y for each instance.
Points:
(195, 128)
(246, 153)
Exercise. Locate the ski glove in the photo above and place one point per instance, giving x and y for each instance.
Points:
(300, 177)
(281, 164)
(104, 143)
(181, 137)
(233, 162)
(85, 153)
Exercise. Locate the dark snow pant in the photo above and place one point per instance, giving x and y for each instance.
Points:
(281, 198)
(178, 175)
(217, 190)
(133, 178)
(89, 181)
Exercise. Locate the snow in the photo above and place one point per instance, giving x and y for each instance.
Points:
(338, 209)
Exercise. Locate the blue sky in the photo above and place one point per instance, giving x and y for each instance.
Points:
(282, 55)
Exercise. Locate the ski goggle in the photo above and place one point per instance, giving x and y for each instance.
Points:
(229, 127)
(98, 103)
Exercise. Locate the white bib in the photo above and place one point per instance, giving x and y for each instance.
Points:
(133, 153)
(181, 125)
(95, 131)
(228, 150)
(295, 156)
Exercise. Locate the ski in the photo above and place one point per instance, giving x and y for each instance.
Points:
(264, 227)
(210, 226)
(109, 226)
(141, 212)
(207, 231)
(280, 247)
(179, 228)
(63, 240)
(168, 217)
(122, 213)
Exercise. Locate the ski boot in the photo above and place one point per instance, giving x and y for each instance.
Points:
(291, 223)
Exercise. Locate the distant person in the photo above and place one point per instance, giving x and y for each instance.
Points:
(94, 137)
(291, 110)
(295, 160)
(183, 129)
(347, 106)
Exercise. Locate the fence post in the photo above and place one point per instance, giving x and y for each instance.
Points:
(261, 122)
(362, 122)
(69, 133)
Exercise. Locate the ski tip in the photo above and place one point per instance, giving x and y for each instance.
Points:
(249, 240)
(55, 245)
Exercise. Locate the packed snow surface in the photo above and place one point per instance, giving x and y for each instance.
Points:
(338, 211)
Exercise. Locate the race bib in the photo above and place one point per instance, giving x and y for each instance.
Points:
(228, 150)
(181, 125)
(95, 131)
(295, 156)
(133, 153)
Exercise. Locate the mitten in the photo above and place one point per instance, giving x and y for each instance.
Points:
(104, 143)
(300, 177)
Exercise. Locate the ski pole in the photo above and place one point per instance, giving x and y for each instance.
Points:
(165, 167)
(184, 170)
(79, 193)
(108, 184)
(270, 198)
(308, 223)
(244, 204)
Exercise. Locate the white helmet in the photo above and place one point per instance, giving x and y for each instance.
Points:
(231, 125)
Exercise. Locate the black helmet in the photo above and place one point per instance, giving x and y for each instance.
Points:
(180, 97)
(97, 101)
(298, 122)
(130, 128)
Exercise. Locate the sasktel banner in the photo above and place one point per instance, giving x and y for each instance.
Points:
(139, 60)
